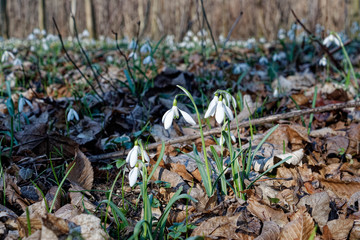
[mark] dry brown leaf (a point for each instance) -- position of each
(270, 231)
(323, 132)
(57, 225)
(340, 188)
(220, 227)
(35, 223)
(79, 200)
(354, 137)
(295, 159)
(279, 137)
(168, 176)
(320, 205)
(204, 203)
(266, 213)
(355, 231)
(300, 99)
(340, 228)
(336, 144)
(50, 195)
(67, 212)
(82, 173)
(13, 193)
(181, 170)
(90, 227)
(299, 228)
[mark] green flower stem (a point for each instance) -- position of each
(234, 164)
(146, 204)
(209, 188)
(223, 180)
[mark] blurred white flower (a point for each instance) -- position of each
(109, 59)
(186, 39)
(43, 32)
(85, 34)
(133, 176)
(279, 56)
(189, 34)
(133, 55)
(262, 40)
(72, 114)
(330, 40)
(133, 155)
(6, 56)
(17, 62)
(172, 113)
(195, 39)
(149, 60)
(201, 33)
(241, 67)
(323, 61)
(132, 45)
(22, 102)
(45, 47)
(36, 31)
(31, 37)
(263, 60)
(145, 48)
(281, 34)
(221, 139)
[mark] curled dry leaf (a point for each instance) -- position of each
(334, 145)
(221, 227)
(355, 231)
(300, 228)
(342, 189)
(266, 213)
(295, 159)
(50, 197)
(35, 224)
(320, 205)
(354, 138)
(67, 212)
(79, 200)
(323, 132)
(340, 228)
(270, 231)
(57, 225)
(90, 227)
(82, 173)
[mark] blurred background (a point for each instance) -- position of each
(261, 18)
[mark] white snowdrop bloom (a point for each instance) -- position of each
(262, 40)
(229, 100)
(6, 56)
(31, 37)
(323, 61)
(330, 40)
(278, 56)
(133, 155)
(241, 67)
(72, 114)
(189, 33)
(172, 113)
(17, 62)
(45, 47)
(32, 49)
(133, 176)
(211, 109)
(263, 61)
(36, 31)
(195, 39)
(281, 34)
(201, 33)
(182, 44)
(220, 110)
(186, 39)
(132, 45)
(85, 34)
(43, 32)
(190, 45)
(133, 55)
(146, 48)
(22, 102)
(149, 60)
(109, 59)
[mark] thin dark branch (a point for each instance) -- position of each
(324, 48)
(86, 56)
(231, 31)
(259, 121)
(72, 61)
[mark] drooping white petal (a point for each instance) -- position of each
(128, 156)
(234, 102)
(232, 136)
(168, 119)
(212, 106)
(72, 114)
(221, 140)
(21, 104)
(228, 112)
(220, 112)
(167, 112)
(176, 111)
(134, 156)
(133, 176)
(146, 156)
(187, 117)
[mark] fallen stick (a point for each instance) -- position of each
(267, 119)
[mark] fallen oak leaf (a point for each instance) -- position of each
(82, 173)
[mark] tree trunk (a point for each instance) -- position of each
(154, 16)
(90, 18)
(4, 20)
(71, 20)
(42, 14)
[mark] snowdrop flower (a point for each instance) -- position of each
(241, 67)
(201, 33)
(186, 39)
(109, 59)
(36, 31)
(219, 110)
(133, 176)
(22, 102)
(31, 37)
(262, 40)
(72, 114)
(263, 60)
(278, 56)
(149, 60)
(133, 155)
(331, 39)
(43, 32)
(189, 33)
(281, 34)
(17, 62)
(221, 140)
(146, 48)
(229, 99)
(85, 34)
(133, 55)
(323, 61)
(132, 45)
(6, 56)
(195, 39)
(45, 47)
(172, 113)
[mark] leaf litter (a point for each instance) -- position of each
(58, 172)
